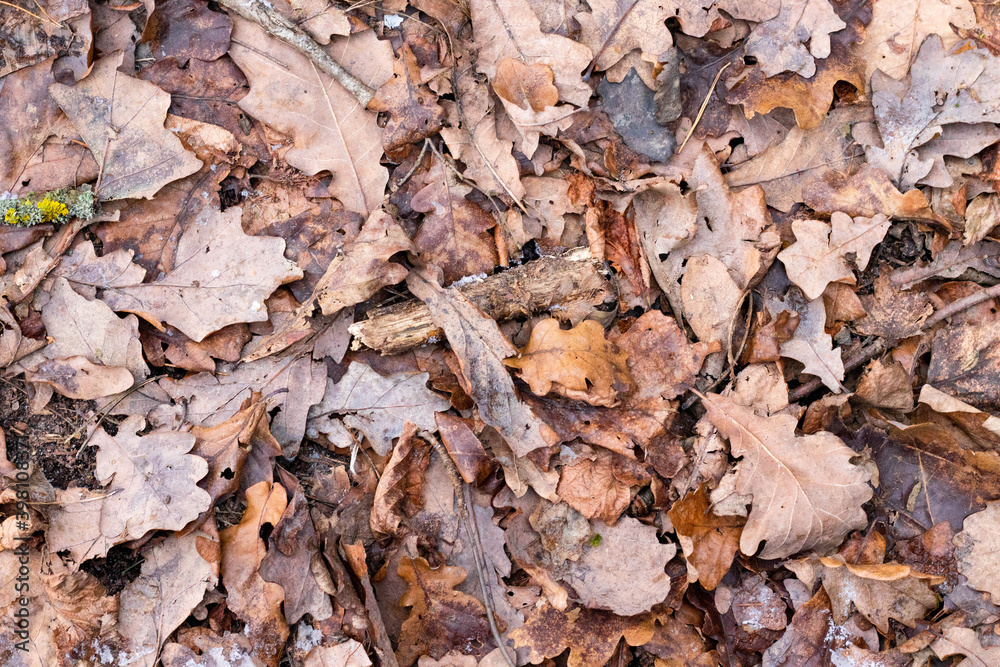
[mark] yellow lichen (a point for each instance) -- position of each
(52, 210)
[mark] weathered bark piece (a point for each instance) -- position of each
(569, 282)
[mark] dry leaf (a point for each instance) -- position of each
(806, 493)
(600, 487)
(811, 345)
(254, 601)
(481, 349)
(414, 113)
(454, 233)
(710, 542)
(779, 44)
(121, 120)
(892, 313)
(527, 86)
(214, 282)
(577, 363)
(176, 573)
(981, 216)
(441, 617)
(963, 641)
(886, 384)
(662, 361)
(398, 494)
(346, 654)
(591, 636)
(379, 406)
(79, 378)
(867, 193)
(602, 583)
(879, 592)
(613, 28)
(820, 254)
(976, 549)
(331, 130)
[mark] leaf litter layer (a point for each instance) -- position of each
(469, 334)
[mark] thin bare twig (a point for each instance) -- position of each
(876, 348)
(478, 554)
(704, 105)
(278, 26)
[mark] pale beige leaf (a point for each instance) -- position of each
(813, 346)
(221, 276)
(176, 573)
(965, 641)
(710, 298)
(296, 385)
(509, 29)
(79, 378)
(602, 582)
(879, 592)
(348, 654)
(379, 406)
(481, 348)
(790, 41)
(897, 30)
(614, 27)
(332, 131)
(981, 216)
(89, 328)
(806, 493)
(977, 549)
(121, 120)
(820, 254)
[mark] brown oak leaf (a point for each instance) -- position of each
(414, 112)
(709, 541)
(590, 635)
(806, 492)
(578, 363)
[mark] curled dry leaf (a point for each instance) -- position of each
(253, 600)
(806, 493)
(879, 591)
(578, 363)
(481, 348)
(821, 253)
(441, 617)
(121, 120)
(527, 86)
(331, 130)
(398, 493)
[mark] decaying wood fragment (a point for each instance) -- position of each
(570, 281)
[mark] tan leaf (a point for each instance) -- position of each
(867, 193)
(976, 549)
(176, 573)
(441, 618)
(811, 345)
(454, 233)
(398, 493)
(891, 312)
(878, 591)
(806, 493)
(298, 384)
(661, 359)
(613, 28)
(733, 228)
(233, 649)
(414, 113)
(766, 342)
(121, 120)
(472, 136)
(965, 641)
(820, 254)
(710, 298)
(511, 30)
(331, 130)
(221, 276)
(590, 635)
(600, 487)
(527, 86)
(981, 216)
(897, 31)
(578, 363)
(464, 447)
(151, 485)
(779, 44)
(254, 601)
(346, 654)
(79, 378)
(317, 17)
(601, 582)
(785, 168)
(960, 88)
(89, 328)
(379, 406)
(886, 384)
(70, 611)
(481, 348)
(710, 542)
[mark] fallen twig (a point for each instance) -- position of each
(874, 349)
(277, 25)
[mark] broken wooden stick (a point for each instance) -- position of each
(573, 280)
(278, 26)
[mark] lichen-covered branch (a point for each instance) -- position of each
(57, 206)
